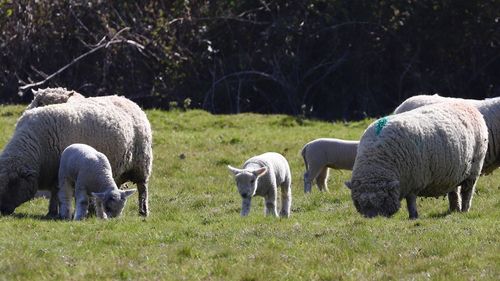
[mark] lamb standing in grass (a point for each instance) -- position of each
(324, 153)
(113, 125)
(425, 152)
(47, 96)
(489, 108)
(84, 171)
(261, 175)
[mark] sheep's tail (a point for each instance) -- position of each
(303, 153)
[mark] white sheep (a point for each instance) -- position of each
(321, 154)
(47, 96)
(489, 108)
(261, 175)
(113, 125)
(85, 172)
(425, 152)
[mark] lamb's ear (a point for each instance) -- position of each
(127, 192)
(35, 92)
(234, 170)
(99, 195)
(260, 172)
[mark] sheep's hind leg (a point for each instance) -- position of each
(53, 204)
(307, 182)
(322, 178)
(82, 204)
(286, 199)
(467, 192)
(270, 200)
(411, 204)
(142, 188)
(455, 200)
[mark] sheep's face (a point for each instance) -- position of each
(15, 189)
(375, 199)
(247, 179)
(113, 201)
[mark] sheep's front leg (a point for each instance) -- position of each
(53, 204)
(411, 203)
(286, 199)
(65, 195)
(322, 178)
(245, 206)
(455, 200)
(82, 203)
(467, 192)
(270, 201)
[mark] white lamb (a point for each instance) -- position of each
(113, 125)
(425, 152)
(321, 154)
(47, 96)
(489, 108)
(261, 175)
(84, 171)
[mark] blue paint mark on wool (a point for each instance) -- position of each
(380, 124)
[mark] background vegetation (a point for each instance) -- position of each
(328, 59)
(195, 232)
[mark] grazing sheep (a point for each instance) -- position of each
(490, 108)
(47, 96)
(324, 153)
(261, 175)
(113, 125)
(84, 171)
(425, 152)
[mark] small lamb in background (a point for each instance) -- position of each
(85, 171)
(321, 154)
(261, 175)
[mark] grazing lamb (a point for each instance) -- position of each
(490, 108)
(84, 171)
(324, 153)
(47, 96)
(425, 152)
(113, 125)
(261, 175)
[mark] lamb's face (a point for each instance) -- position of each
(247, 184)
(373, 200)
(113, 201)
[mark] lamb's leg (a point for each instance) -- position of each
(142, 188)
(286, 199)
(245, 206)
(411, 203)
(307, 182)
(467, 192)
(322, 178)
(455, 200)
(65, 195)
(53, 204)
(270, 200)
(81, 204)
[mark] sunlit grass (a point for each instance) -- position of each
(195, 232)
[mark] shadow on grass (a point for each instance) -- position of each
(440, 214)
(32, 216)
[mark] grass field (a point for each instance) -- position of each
(195, 232)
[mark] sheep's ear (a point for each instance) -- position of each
(348, 184)
(234, 170)
(99, 195)
(35, 92)
(260, 172)
(126, 193)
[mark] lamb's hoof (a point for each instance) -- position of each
(144, 213)
(284, 215)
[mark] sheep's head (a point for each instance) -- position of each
(246, 180)
(375, 199)
(112, 201)
(16, 187)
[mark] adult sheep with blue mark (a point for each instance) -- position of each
(113, 125)
(426, 152)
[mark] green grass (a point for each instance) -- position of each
(195, 232)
